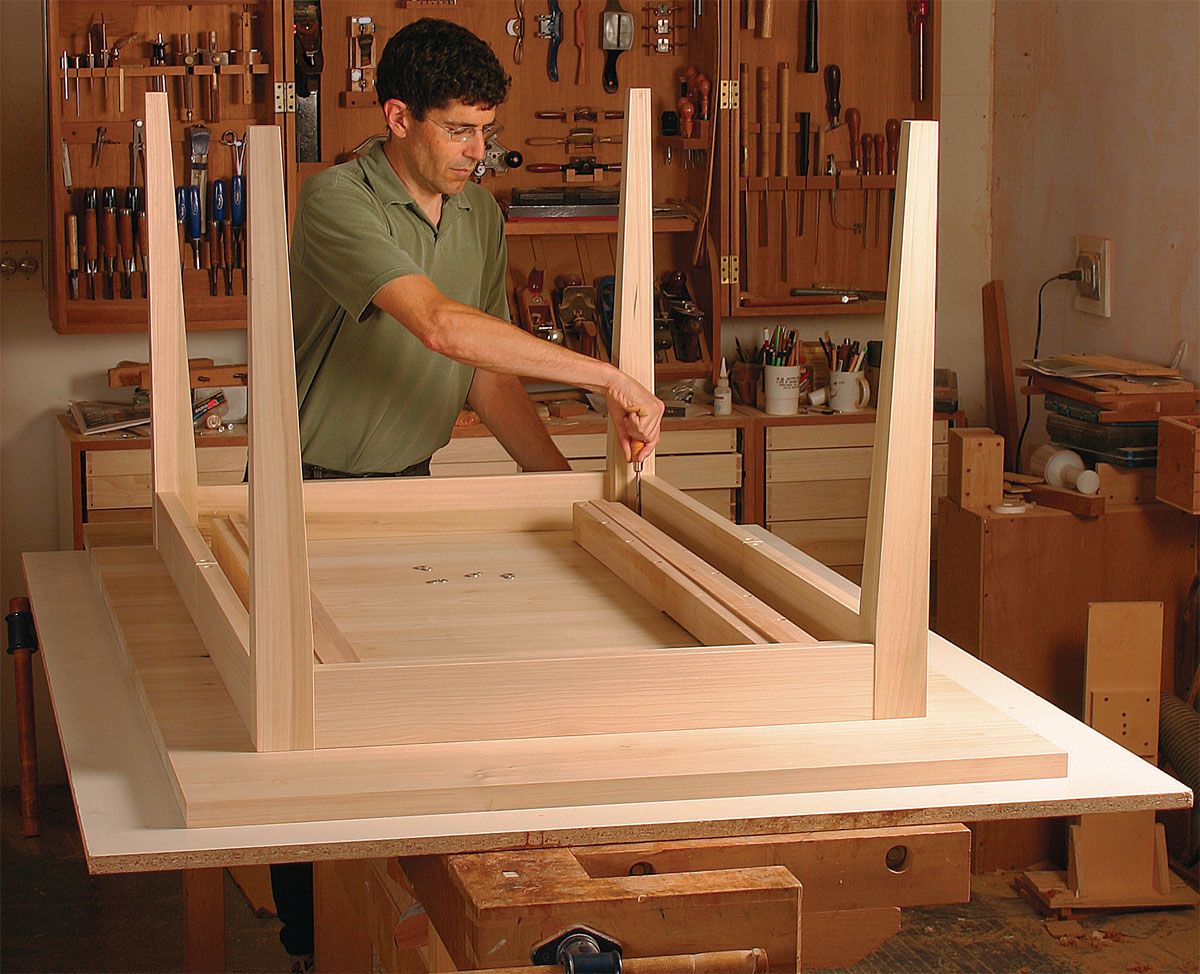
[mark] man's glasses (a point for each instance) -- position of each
(465, 133)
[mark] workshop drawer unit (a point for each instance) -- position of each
(707, 463)
(104, 481)
(818, 487)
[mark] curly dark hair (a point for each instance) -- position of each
(431, 62)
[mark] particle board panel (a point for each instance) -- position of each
(130, 820)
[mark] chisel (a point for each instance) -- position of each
(802, 167)
(108, 236)
(73, 255)
(125, 243)
(91, 248)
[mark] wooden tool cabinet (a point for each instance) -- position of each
(715, 239)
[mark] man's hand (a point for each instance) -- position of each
(636, 413)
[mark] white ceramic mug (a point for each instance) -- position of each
(781, 387)
(849, 392)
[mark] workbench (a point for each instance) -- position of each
(130, 821)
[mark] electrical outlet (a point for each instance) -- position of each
(1093, 256)
(21, 265)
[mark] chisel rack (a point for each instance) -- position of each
(747, 208)
(809, 202)
(220, 65)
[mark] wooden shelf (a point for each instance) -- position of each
(586, 226)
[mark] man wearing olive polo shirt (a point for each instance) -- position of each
(398, 268)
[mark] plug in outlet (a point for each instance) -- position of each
(1093, 256)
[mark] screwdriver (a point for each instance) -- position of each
(73, 255)
(125, 239)
(854, 125)
(108, 231)
(636, 447)
(143, 245)
(90, 243)
(237, 215)
(833, 85)
(195, 229)
(181, 218)
(212, 259)
(221, 231)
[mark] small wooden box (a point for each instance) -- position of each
(1179, 462)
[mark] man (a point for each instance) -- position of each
(398, 266)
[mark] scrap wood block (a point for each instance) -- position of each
(976, 468)
(1178, 482)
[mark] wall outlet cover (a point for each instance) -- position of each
(1103, 248)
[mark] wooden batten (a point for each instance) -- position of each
(173, 446)
(807, 599)
(211, 601)
(653, 578)
(281, 637)
(387, 508)
(692, 688)
(772, 625)
(894, 605)
(633, 309)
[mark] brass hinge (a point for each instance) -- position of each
(729, 269)
(285, 97)
(730, 95)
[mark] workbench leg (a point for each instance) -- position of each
(340, 932)
(204, 920)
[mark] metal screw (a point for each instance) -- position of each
(473, 575)
(508, 576)
(422, 568)
(436, 581)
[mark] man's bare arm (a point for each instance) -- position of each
(506, 409)
(472, 337)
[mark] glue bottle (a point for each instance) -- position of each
(722, 394)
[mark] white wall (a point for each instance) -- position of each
(1098, 132)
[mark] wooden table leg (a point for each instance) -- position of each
(204, 920)
(340, 930)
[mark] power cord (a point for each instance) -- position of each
(1075, 275)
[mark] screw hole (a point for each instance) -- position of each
(641, 869)
(897, 858)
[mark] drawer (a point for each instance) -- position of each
(723, 501)
(819, 499)
(941, 431)
(121, 478)
(847, 463)
(941, 459)
(813, 437)
(695, 472)
(833, 541)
